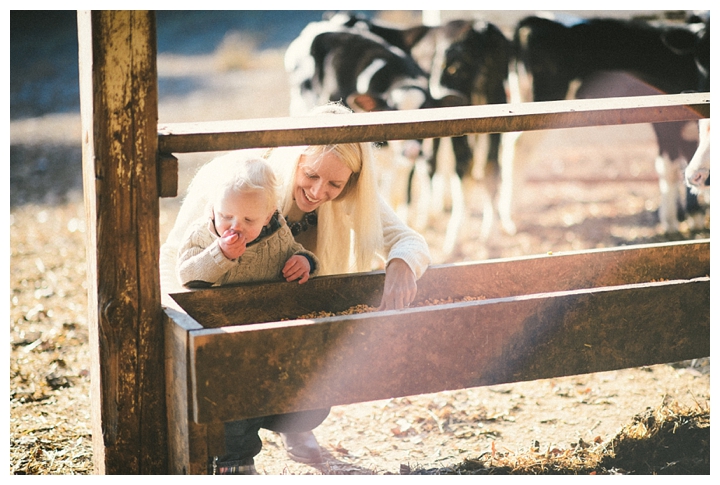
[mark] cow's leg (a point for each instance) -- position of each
(441, 165)
(501, 183)
(420, 194)
(385, 168)
(483, 195)
(675, 149)
(669, 194)
(491, 183)
(507, 182)
(697, 173)
(456, 216)
(398, 161)
(463, 167)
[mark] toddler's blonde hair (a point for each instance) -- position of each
(252, 175)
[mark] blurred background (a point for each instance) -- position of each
(212, 65)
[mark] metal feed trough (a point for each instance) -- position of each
(160, 374)
(531, 318)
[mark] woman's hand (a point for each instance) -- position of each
(232, 244)
(400, 286)
(297, 267)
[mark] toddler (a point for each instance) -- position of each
(243, 238)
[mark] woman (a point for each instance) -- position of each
(331, 202)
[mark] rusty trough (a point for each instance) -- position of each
(535, 317)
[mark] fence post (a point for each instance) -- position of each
(118, 94)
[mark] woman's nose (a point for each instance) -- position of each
(316, 189)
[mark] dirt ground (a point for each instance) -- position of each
(584, 188)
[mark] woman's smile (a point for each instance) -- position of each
(310, 198)
(319, 179)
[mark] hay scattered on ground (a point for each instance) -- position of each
(668, 440)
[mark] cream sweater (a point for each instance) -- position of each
(200, 261)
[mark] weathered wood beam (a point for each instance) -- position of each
(118, 95)
(189, 444)
(429, 123)
(168, 168)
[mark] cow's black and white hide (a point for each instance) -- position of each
(697, 173)
(668, 58)
(330, 62)
(467, 63)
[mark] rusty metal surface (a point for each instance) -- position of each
(264, 302)
(429, 123)
(569, 271)
(220, 307)
(542, 316)
(279, 367)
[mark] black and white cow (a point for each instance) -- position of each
(672, 58)
(332, 61)
(467, 63)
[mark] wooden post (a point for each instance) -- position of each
(118, 94)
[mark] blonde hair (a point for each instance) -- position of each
(349, 234)
(251, 175)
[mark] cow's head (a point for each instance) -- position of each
(464, 58)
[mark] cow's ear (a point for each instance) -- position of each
(413, 35)
(365, 102)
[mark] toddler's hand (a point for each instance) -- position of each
(232, 244)
(297, 268)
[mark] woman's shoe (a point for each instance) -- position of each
(302, 447)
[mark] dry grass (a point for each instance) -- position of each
(49, 354)
(668, 440)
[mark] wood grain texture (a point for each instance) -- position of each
(118, 92)
(429, 123)
(168, 168)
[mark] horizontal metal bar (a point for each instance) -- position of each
(429, 123)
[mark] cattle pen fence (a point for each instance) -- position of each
(156, 406)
